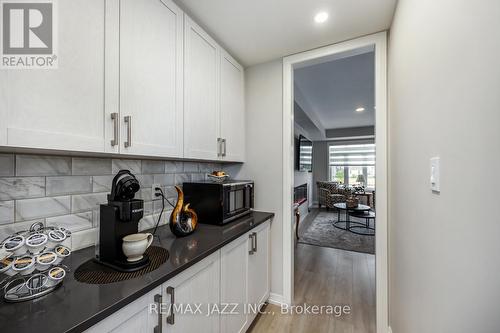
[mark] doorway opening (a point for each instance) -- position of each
(337, 163)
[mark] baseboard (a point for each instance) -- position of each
(276, 299)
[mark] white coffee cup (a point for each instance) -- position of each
(135, 245)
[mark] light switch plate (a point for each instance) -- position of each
(435, 175)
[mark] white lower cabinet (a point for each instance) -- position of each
(234, 285)
(138, 316)
(198, 285)
(258, 266)
(229, 283)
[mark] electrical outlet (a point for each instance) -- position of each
(153, 191)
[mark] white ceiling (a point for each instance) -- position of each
(256, 31)
(330, 92)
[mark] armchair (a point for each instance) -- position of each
(330, 193)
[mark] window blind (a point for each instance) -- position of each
(352, 155)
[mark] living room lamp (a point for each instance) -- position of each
(361, 179)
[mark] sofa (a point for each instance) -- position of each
(330, 193)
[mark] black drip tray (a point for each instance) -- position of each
(93, 273)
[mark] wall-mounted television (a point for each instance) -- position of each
(304, 153)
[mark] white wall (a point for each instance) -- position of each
(444, 78)
(264, 108)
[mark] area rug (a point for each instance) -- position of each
(319, 231)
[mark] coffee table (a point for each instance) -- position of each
(365, 229)
(346, 223)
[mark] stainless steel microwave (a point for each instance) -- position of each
(219, 203)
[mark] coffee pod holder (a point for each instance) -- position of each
(18, 286)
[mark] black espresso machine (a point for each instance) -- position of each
(119, 218)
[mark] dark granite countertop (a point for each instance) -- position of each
(77, 306)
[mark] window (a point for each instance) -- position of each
(352, 164)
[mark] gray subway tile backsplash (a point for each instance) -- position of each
(68, 185)
(174, 166)
(66, 191)
(6, 212)
(134, 166)
(32, 165)
(84, 202)
(190, 167)
(21, 187)
(182, 177)
(29, 209)
(86, 166)
(7, 165)
(153, 167)
(74, 222)
(102, 183)
(164, 180)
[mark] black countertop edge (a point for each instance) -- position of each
(75, 306)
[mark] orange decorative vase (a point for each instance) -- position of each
(183, 220)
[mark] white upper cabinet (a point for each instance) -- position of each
(134, 77)
(151, 75)
(60, 108)
(201, 87)
(232, 109)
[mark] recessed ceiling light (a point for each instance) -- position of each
(321, 17)
(360, 109)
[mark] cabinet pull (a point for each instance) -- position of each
(171, 316)
(253, 244)
(114, 117)
(158, 300)
(224, 145)
(219, 149)
(255, 237)
(128, 121)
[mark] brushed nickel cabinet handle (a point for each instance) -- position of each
(158, 300)
(219, 149)
(114, 117)
(252, 238)
(171, 316)
(255, 237)
(224, 145)
(128, 121)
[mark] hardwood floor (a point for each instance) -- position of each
(326, 276)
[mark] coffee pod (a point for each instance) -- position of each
(6, 266)
(37, 281)
(24, 265)
(56, 237)
(61, 252)
(16, 245)
(45, 260)
(55, 275)
(36, 242)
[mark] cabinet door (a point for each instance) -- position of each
(258, 267)
(151, 66)
(60, 108)
(232, 109)
(138, 316)
(198, 285)
(201, 86)
(233, 284)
